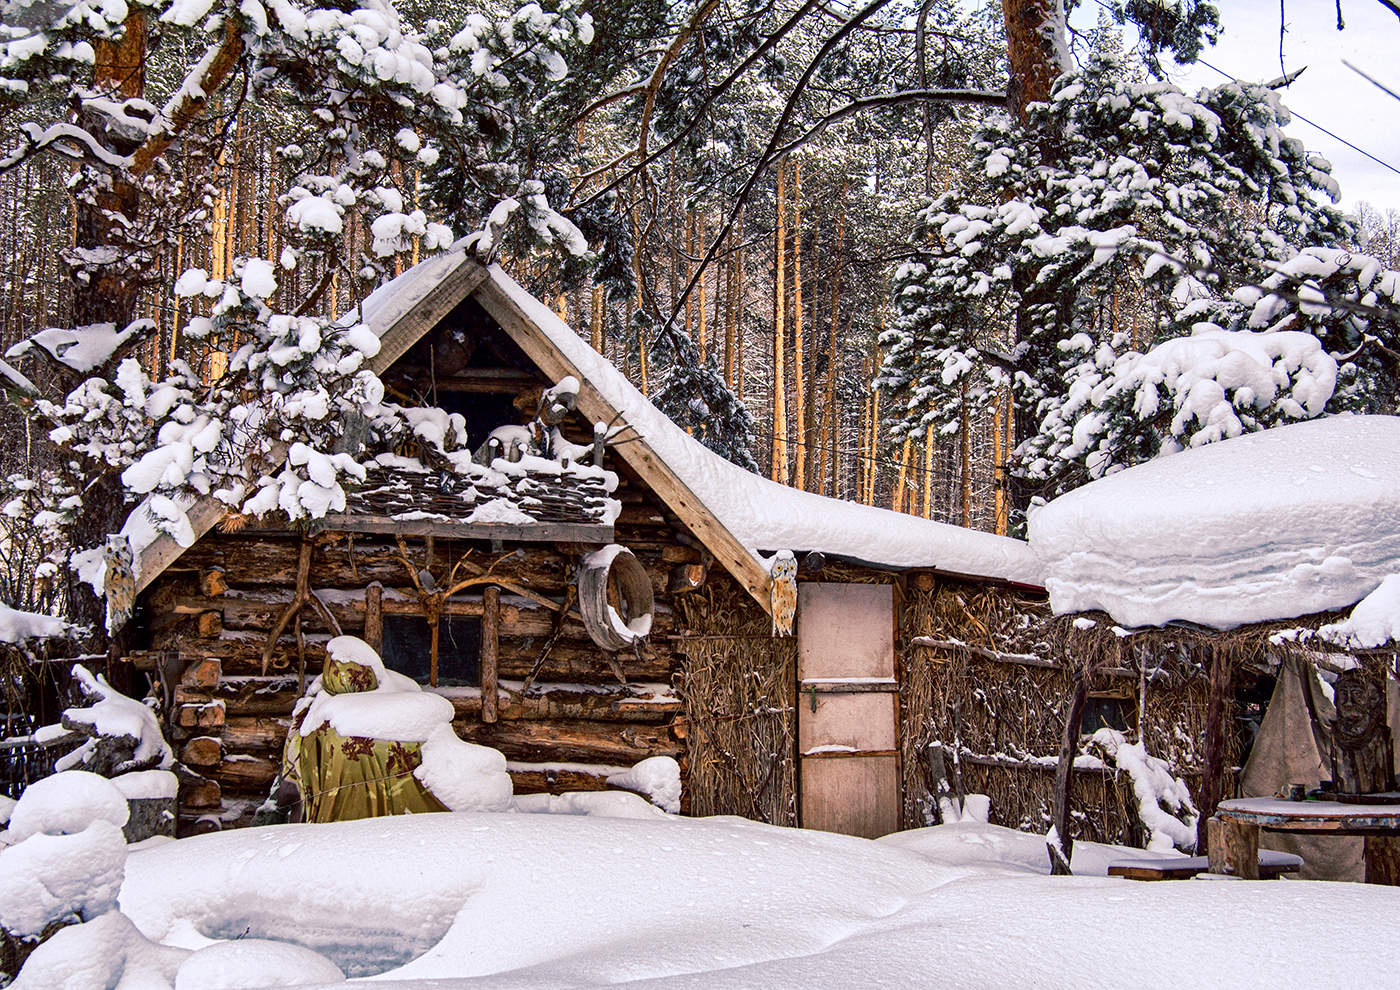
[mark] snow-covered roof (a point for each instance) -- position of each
(1273, 525)
(764, 515)
(750, 513)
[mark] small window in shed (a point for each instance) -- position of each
(1108, 712)
(407, 648)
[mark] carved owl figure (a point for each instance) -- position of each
(782, 592)
(119, 585)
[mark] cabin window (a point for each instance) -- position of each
(1108, 712)
(407, 648)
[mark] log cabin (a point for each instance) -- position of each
(916, 670)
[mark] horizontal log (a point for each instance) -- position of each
(242, 773)
(572, 741)
(611, 703)
(240, 651)
(257, 734)
(202, 751)
(556, 781)
(579, 663)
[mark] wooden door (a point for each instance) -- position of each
(847, 710)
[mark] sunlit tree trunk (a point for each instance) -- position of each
(779, 469)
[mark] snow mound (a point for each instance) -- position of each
(543, 902)
(254, 964)
(1276, 524)
(1374, 622)
(66, 804)
(463, 775)
(50, 878)
(467, 895)
(100, 954)
(657, 778)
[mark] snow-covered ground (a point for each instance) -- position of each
(447, 901)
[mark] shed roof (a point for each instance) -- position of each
(735, 513)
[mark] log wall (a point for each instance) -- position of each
(211, 613)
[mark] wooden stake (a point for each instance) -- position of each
(490, 651)
(374, 616)
(1062, 850)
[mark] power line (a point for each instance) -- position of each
(1311, 123)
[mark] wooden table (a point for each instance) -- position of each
(1233, 834)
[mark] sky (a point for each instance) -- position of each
(1327, 93)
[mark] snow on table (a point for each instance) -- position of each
(1281, 523)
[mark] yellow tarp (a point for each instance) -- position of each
(346, 777)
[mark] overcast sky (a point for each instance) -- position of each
(1328, 93)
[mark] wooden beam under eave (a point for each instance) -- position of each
(426, 312)
(736, 559)
(204, 515)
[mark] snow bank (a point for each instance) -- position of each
(530, 902)
(254, 964)
(762, 514)
(463, 775)
(1280, 523)
(65, 804)
(50, 878)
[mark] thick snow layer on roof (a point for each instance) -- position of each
(764, 515)
(382, 307)
(1281, 523)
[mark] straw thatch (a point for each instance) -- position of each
(739, 723)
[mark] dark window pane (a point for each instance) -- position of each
(1111, 713)
(408, 646)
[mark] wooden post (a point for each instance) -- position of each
(490, 651)
(374, 616)
(1234, 848)
(1383, 860)
(1213, 779)
(1062, 850)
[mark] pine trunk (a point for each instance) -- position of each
(799, 368)
(779, 471)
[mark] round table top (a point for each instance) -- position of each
(1326, 816)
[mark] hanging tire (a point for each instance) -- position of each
(623, 626)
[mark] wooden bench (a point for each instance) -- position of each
(1272, 865)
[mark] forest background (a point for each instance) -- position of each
(729, 200)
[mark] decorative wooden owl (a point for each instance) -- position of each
(782, 592)
(119, 585)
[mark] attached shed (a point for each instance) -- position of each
(540, 631)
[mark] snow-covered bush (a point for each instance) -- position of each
(118, 734)
(1164, 801)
